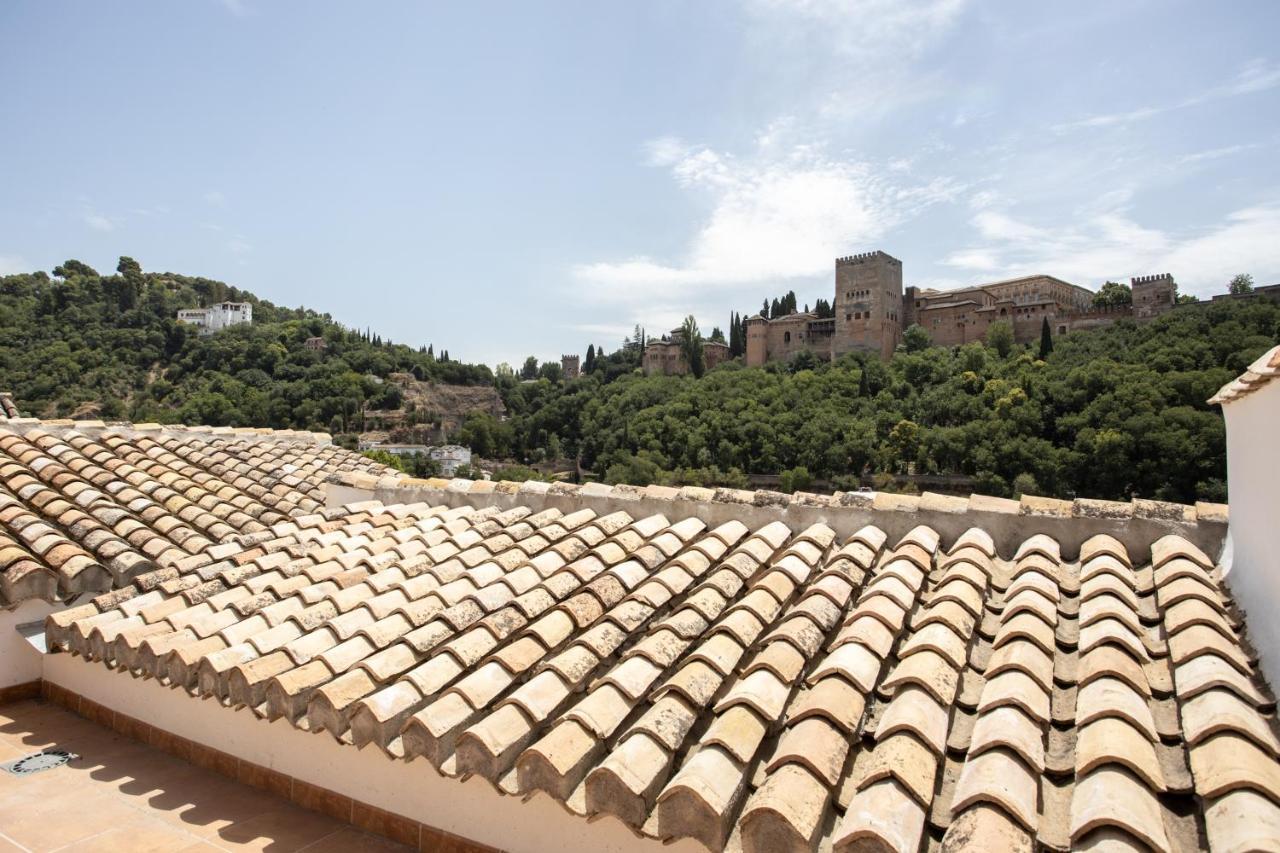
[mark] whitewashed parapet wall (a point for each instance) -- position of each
(1009, 522)
(1251, 404)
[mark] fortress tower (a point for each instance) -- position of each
(868, 304)
(1153, 294)
(570, 366)
(757, 341)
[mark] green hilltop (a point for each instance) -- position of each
(84, 344)
(1113, 413)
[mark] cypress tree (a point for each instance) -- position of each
(1046, 339)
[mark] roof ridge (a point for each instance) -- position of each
(1079, 518)
(1255, 376)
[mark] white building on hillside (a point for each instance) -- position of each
(450, 457)
(217, 317)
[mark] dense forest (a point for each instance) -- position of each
(1111, 413)
(83, 344)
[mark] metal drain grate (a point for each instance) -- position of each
(44, 760)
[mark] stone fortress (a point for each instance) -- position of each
(666, 357)
(872, 309)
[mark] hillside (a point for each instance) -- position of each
(1111, 413)
(83, 344)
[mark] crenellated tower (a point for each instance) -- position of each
(868, 304)
(570, 366)
(1153, 295)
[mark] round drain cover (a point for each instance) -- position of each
(46, 760)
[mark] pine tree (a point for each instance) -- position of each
(764, 312)
(589, 363)
(1046, 339)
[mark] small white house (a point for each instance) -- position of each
(1251, 406)
(217, 317)
(451, 457)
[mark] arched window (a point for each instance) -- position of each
(786, 337)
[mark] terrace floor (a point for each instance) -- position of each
(123, 795)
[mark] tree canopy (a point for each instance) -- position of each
(109, 346)
(1113, 294)
(1109, 413)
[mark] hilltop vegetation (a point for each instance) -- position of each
(81, 343)
(1111, 413)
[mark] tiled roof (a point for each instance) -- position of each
(86, 511)
(1262, 371)
(762, 688)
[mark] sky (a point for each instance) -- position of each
(507, 179)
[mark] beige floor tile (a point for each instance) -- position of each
(141, 834)
(203, 804)
(351, 840)
(7, 846)
(123, 795)
(281, 831)
(54, 822)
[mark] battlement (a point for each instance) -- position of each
(1150, 279)
(864, 257)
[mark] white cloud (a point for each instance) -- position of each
(1246, 242)
(771, 218)
(995, 225)
(215, 198)
(849, 61)
(98, 222)
(1111, 245)
(238, 8)
(1255, 76)
(1217, 153)
(982, 260)
(12, 264)
(867, 28)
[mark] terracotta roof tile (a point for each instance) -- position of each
(771, 688)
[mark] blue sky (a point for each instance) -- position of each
(502, 179)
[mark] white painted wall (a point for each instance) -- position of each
(1253, 481)
(473, 809)
(19, 661)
